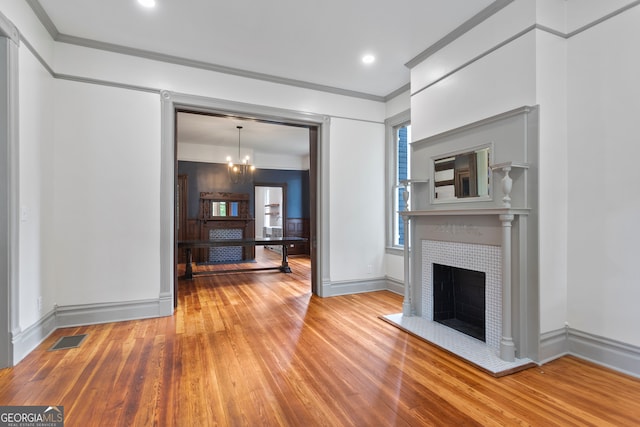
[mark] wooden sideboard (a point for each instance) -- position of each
(297, 227)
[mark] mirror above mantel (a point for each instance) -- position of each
(463, 176)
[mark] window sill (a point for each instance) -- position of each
(395, 251)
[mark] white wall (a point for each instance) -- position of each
(206, 153)
(584, 12)
(263, 160)
(498, 82)
(356, 200)
(398, 104)
(604, 205)
(551, 81)
(113, 67)
(36, 189)
(107, 194)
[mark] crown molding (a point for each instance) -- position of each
(474, 21)
(42, 15)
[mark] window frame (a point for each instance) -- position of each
(391, 182)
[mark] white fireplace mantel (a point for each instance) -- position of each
(465, 212)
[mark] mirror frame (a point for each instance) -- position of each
(467, 150)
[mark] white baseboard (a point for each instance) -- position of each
(394, 285)
(553, 344)
(347, 287)
(90, 314)
(606, 352)
(26, 341)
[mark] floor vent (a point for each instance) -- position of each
(71, 341)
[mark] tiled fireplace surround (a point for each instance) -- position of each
(484, 258)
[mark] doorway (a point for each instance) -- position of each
(291, 120)
(270, 210)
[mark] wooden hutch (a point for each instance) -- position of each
(224, 215)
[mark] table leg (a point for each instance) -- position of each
(188, 274)
(284, 267)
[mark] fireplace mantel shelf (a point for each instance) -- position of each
(450, 212)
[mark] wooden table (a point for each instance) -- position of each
(189, 245)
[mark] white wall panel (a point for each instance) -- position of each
(604, 208)
(398, 104)
(499, 82)
(263, 160)
(107, 201)
(395, 267)
(113, 67)
(584, 12)
(510, 21)
(551, 75)
(356, 200)
(36, 190)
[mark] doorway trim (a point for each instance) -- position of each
(171, 103)
(9, 190)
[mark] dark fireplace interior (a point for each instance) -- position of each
(459, 299)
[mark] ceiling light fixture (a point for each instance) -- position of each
(368, 59)
(147, 3)
(242, 172)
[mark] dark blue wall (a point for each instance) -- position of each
(213, 177)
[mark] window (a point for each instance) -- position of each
(403, 136)
(398, 169)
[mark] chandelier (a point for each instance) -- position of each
(241, 172)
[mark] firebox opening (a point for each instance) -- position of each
(459, 299)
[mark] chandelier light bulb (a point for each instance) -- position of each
(242, 172)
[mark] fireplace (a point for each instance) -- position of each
(459, 299)
(495, 233)
(225, 253)
(476, 260)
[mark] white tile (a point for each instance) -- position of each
(485, 258)
(464, 346)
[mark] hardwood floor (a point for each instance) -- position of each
(258, 349)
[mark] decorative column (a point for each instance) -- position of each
(507, 182)
(407, 303)
(507, 186)
(507, 347)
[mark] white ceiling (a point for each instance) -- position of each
(320, 42)
(260, 136)
(312, 44)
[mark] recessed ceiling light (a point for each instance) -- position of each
(368, 59)
(147, 3)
